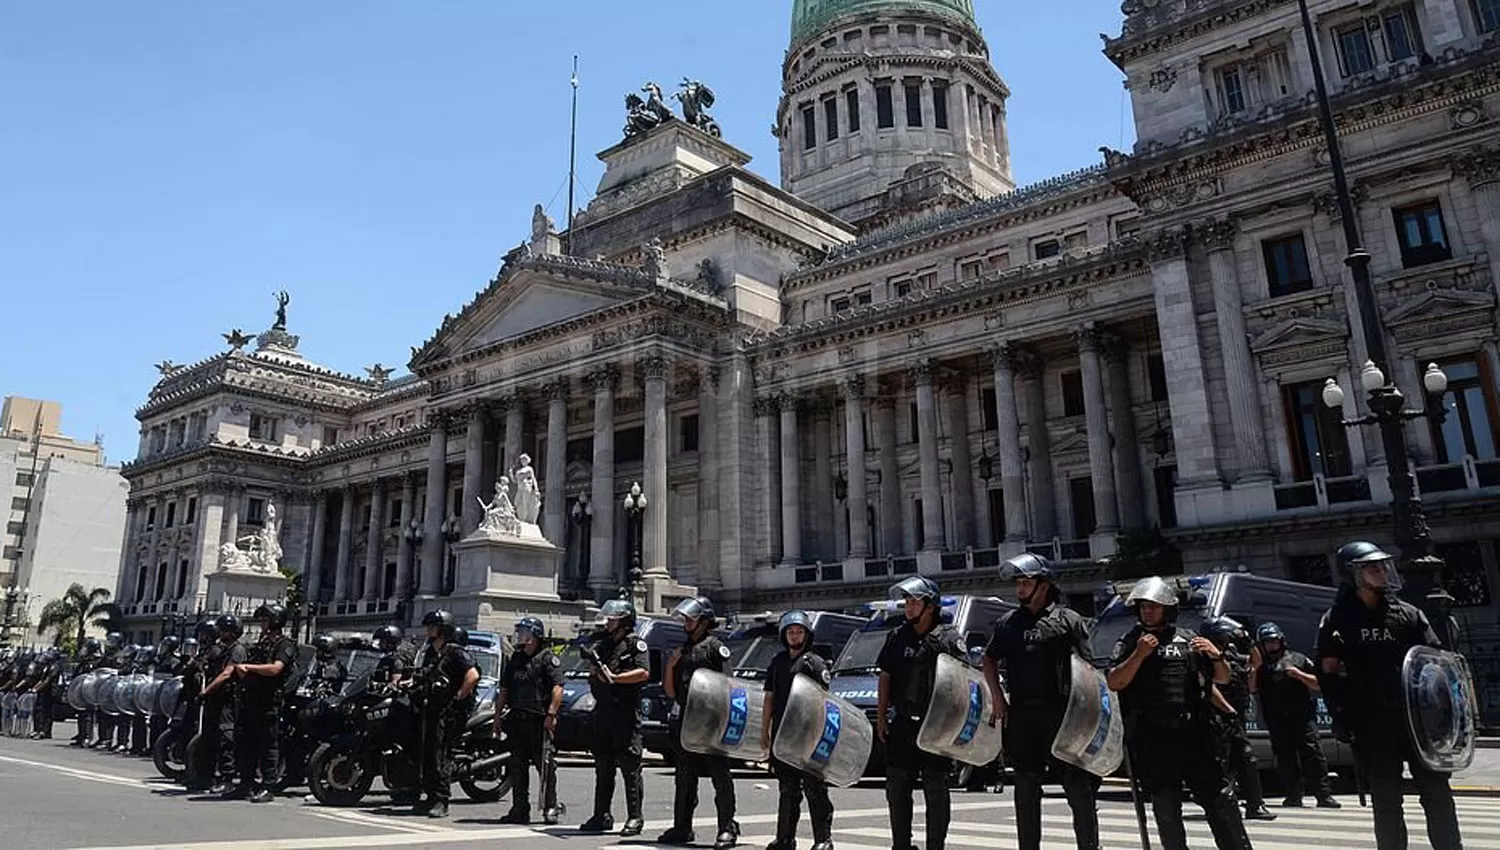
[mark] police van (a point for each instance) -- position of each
(1251, 600)
(757, 639)
(856, 676)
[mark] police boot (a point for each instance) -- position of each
(439, 809)
(599, 824)
(727, 838)
(676, 835)
(1329, 802)
(551, 816)
(520, 815)
(1259, 813)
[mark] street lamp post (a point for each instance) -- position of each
(583, 519)
(635, 509)
(1377, 378)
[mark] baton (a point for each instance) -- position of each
(1140, 805)
(1359, 782)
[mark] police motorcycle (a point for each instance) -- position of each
(380, 736)
(176, 698)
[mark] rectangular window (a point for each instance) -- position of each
(809, 128)
(1076, 241)
(182, 575)
(192, 511)
(926, 280)
(1468, 428)
(25, 479)
(255, 511)
(997, 514)
(1356, 55)
(1287, 269)
(1127, 226)
(851, 109)
(991, 409)
(1275, 76)
(902, 288)
(1156, 376)
(1423, 238)
(1319, 441)
(913, 104)
(913, 422)
(1072, 393)
(839, 305)
(999, 262)
(1165, 479)
(1046, 249)
(1487, 13)
(15, 528)
(831, 118)
(394, 518)
(171, 514)
(1402, 40)
(20, 503)
(1378, 40)
(940, 105)
(330, 436)
(262, 427)
(970, 269)
(1230, 85)
(885, 110)
(687, 433)
(862, 298)
(151, 518)
(1081, 499)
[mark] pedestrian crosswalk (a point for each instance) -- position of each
(992, 826)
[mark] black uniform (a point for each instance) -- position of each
(1035, 650)
(1167, 731)
(219, 711)
(41, 714)
(258, 754)
(196, 675)
(1289, 712)
(391, 665)
(791, 783)
(910, 659)
(1240, 766)
(528, 681)
(167, 667)
(1369, 703)
(617, 724)
(84, 666)
(443, 717)
(710, 653)
(113, 729)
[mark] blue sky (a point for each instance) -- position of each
(168, 165)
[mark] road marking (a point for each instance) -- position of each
(441, 837)
(398, 824)
(79, 773)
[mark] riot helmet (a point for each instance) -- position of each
(145, 655)
(272, 612)
(1368, 567)
(695, 614)
(1028, 566)
(113, 642)
(168, 646)
(918, 588)
(90, 648)
(459, 637)
(1154, 590)
(1267, 633)
(227, 626)
(190, 648)
(388, 638)
(441, 619)
(205, 631)
(324, 646)
(1226, 632)
(795, 618)
(616, 613)
(528, 629)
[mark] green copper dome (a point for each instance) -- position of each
(810, 17)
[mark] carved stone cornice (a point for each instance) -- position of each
(604, 379)
(1217, 234)
(1480, 165)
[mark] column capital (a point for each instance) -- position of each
(1026, 362)
(788, 402)
(1480, 165)
(605, 379)
(1007, 354)
(1088, 338)
(438, 418)
(555, 390)
(652, 367)
(475, 409)
(1217, 234)
(853, 388)
(708, 378)
(922, 372)
(1116, 348)
(765, 405)
(1168, 244)
(409, 477)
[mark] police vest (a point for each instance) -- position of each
(1166, 686)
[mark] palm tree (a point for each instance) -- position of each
(76, 611)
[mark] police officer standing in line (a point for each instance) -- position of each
(104, 722)
(701, 651)
(140, 726)
(908, 671)
(449, 676)
(1232, 703)
(531, 687)
(1286, 682)
(88, 661)
(169, 664)
(122, 722)
(1362, 645)
(1163, 675)
(45, 687)
(263, 673)
(1034, 646)
(796, 658)
(618, 669)
(327, 674)
(219, 704)
(201, 669)
(396, 657)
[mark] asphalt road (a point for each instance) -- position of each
(52, 796)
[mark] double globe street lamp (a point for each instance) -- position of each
(635, 509)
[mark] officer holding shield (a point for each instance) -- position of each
(1362, 646)
(701, 651)
(618, 669)
(1163, 675)
(88, 661)
(1034, 645)
(908, 671)
(796, 658)
(531, 687)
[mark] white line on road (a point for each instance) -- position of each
(366, 819)
(79, 773)
(443, 836)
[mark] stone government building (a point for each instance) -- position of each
(897, 361)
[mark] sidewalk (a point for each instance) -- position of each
(1483, 776)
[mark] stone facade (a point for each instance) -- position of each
(813, 408)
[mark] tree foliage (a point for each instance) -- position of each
(1141, 552)
(76, 610)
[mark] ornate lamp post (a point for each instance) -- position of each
(452, 531)
(635, 510)
(1386, 402)
(583, 519)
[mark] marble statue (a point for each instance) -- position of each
(528, 494)
(232, 557)
(262, 550)
(499, 515)
(542, 225)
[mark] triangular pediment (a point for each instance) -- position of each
(1078, 441)
(534, 303)
(1438, 303)
(1299, 331)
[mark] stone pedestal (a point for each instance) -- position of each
(242, 590)
(502, 579)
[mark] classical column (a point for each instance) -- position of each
(825, 507)
(1038, 446)
(403, 544)
(854, 439)
(791, 485)
(653, 370)
(431, 582)
(373, 567)
(890, 475)
(515, 426)
(314, 584)
(1096, 417)
(961, 458)
(232, 510)
(127, 551)
(603, 570)
(1182, 359)
(473, 468)
(767, 411)
(1240, 381)
(554, 506)
(346, 544)
(1127, 450)
(933, 537)
(1481, 165)
(709, 578)
(1008, 429)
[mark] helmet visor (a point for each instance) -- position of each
(914, 587)
(1152, 589)
(1376, 571)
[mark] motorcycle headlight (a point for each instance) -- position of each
(585, 703)
(645, 707)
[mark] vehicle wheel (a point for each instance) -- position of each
(337, 776)
(170, 753)
(490, 785)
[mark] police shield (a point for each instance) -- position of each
(75, 692)
(25, 705)
(1092, 736)
(107, 691)
(168, 695)
(145, 696)
(823, 736)
(93, 687)
(1440, 702)
(957, 725)
(724, 717)
(124, 694)
(7, 712)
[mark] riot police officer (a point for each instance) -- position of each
(1163, 674)
(219, 705)
(88, 661)
(448, 677)
(104, 722)
(202, 667)
(125, 663)
(618, 669)
(702, 650)
(1034, 646)
(531, 687)
(325, 677)
(1362, 645)
(1286, 682)
(908, 670)
(45, 689)
(169, 664)
(796, 657)
(140, 726)
(1231, 702)
(396, 657)
(261, 676)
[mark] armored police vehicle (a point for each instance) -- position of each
(757, 639)
(1251, 600)
(856, 677)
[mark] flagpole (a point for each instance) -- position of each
(572, 154)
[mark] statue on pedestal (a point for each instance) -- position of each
(499, 516)
(528, 494)
(263, 549)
